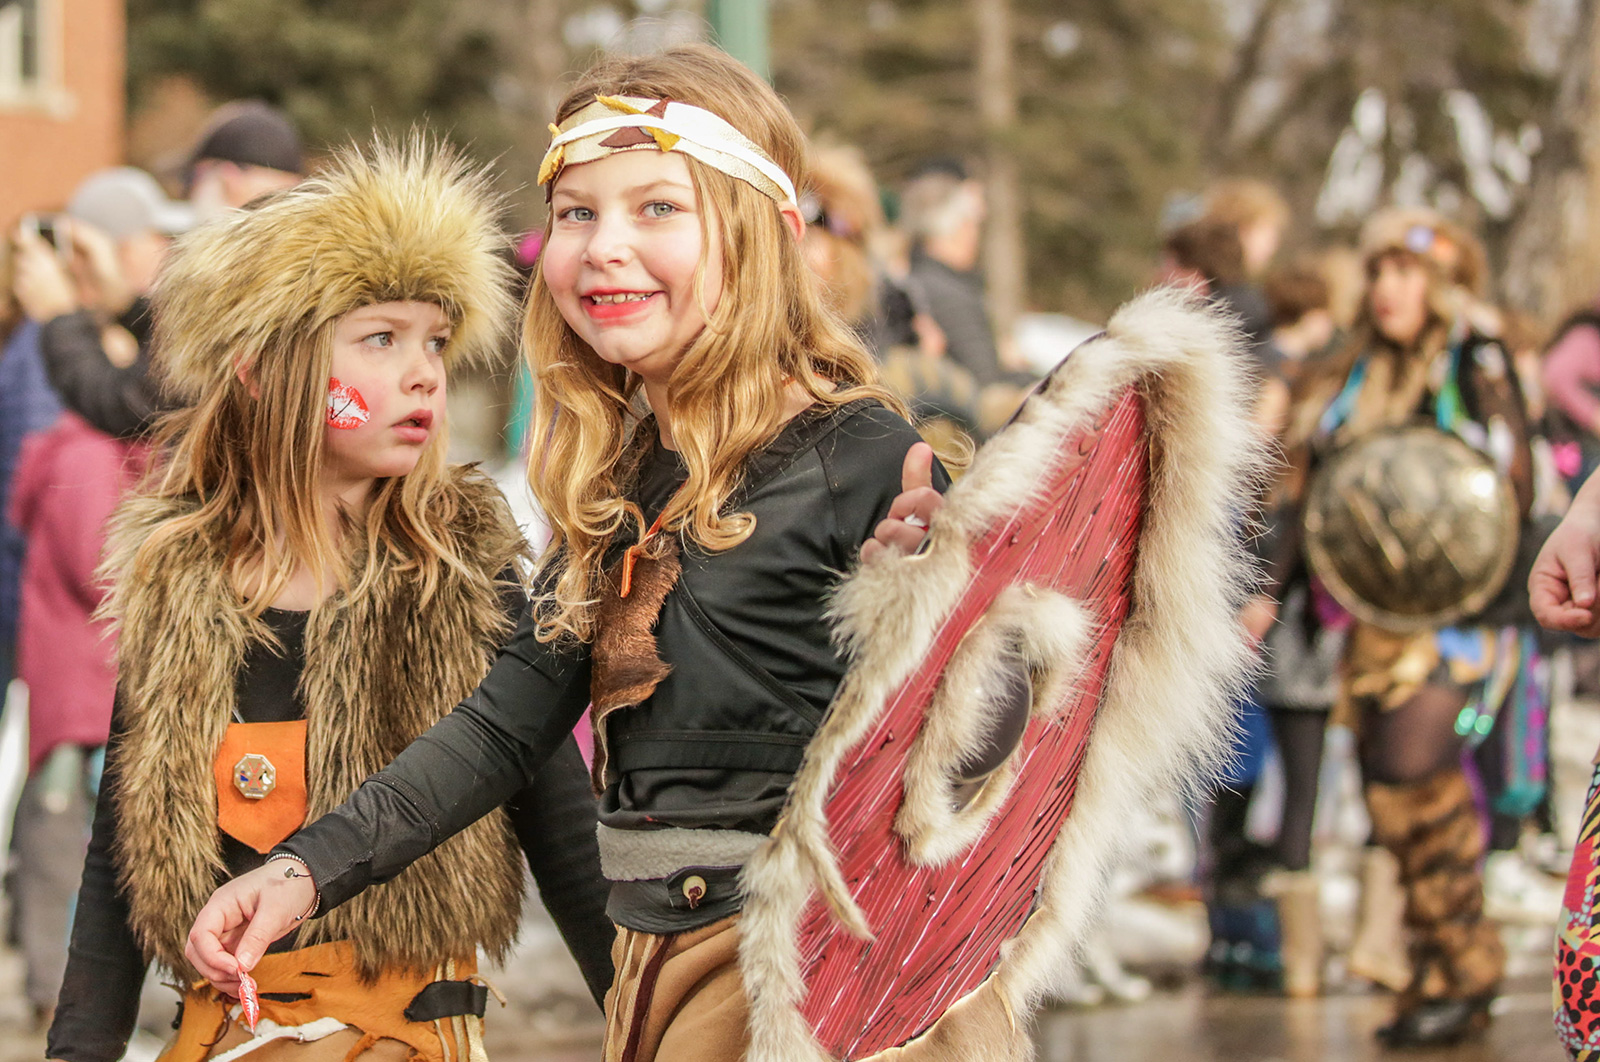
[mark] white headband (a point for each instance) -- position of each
(636, 122)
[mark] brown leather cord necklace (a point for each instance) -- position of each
(635, 551)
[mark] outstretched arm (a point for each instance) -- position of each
(465, 766)
(1561, 587)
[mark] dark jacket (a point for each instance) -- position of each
(754, 670)
(956, 301)
(27, 405)
(118, 401)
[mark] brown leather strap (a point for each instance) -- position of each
(643, 997)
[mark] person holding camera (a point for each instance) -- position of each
(85, 281)
(83, 276)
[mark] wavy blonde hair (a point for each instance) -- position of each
(246, 308)
(726, 393)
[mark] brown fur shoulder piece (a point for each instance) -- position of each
(627, 666)
(399, 220)
(380, 668)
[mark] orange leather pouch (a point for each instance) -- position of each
(261, 782)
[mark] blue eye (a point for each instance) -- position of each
(380, 339)
(437, 344)
(659, 209)
(576, 214)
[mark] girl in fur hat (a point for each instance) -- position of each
(302, 587)
(1422, 350)
(716, 450)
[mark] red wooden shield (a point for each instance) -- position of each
(938, 930)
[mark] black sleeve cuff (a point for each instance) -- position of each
(340, 850)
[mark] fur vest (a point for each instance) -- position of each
(379, 670)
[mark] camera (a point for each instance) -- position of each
(54, 229)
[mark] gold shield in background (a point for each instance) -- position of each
(1411, 528)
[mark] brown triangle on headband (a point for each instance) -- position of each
(631, 136)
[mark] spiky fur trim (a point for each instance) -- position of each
(395, 221)
(1166, 716)
(1044, 630)
(379, 670)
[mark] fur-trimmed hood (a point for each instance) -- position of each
(395, 221)
(380, 668)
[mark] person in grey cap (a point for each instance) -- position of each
(91, 304)
(247, 150)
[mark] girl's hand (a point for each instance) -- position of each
(242, 918)
(912, 510)
(1561, 588)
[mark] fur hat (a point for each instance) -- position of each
(1452, 250)
(395, 221)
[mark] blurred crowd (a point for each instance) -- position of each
(1466, 820)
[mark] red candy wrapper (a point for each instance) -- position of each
(249, 1001)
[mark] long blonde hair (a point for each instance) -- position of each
(245, 313)
(727, 392)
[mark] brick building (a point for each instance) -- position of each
(62, 98)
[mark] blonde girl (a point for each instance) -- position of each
(302, 587)
(715, 452)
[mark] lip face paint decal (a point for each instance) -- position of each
(346, 408)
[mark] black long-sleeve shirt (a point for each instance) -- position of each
(771, 598)
(118, 401)
(99, 1002)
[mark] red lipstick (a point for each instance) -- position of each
(615, 304)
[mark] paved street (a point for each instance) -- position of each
(1194, 1026)
(550, 1019)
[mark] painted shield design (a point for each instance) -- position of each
(1066, 649)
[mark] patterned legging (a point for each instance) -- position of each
(1577, 980)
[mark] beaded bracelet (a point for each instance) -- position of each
(290, 872)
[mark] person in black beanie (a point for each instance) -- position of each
(247, 150)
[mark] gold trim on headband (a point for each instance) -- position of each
(624, 123)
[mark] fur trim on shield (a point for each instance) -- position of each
(1050, 634)
(1167, 714)
(980, 1027)
(396, 221)
(379, 670)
